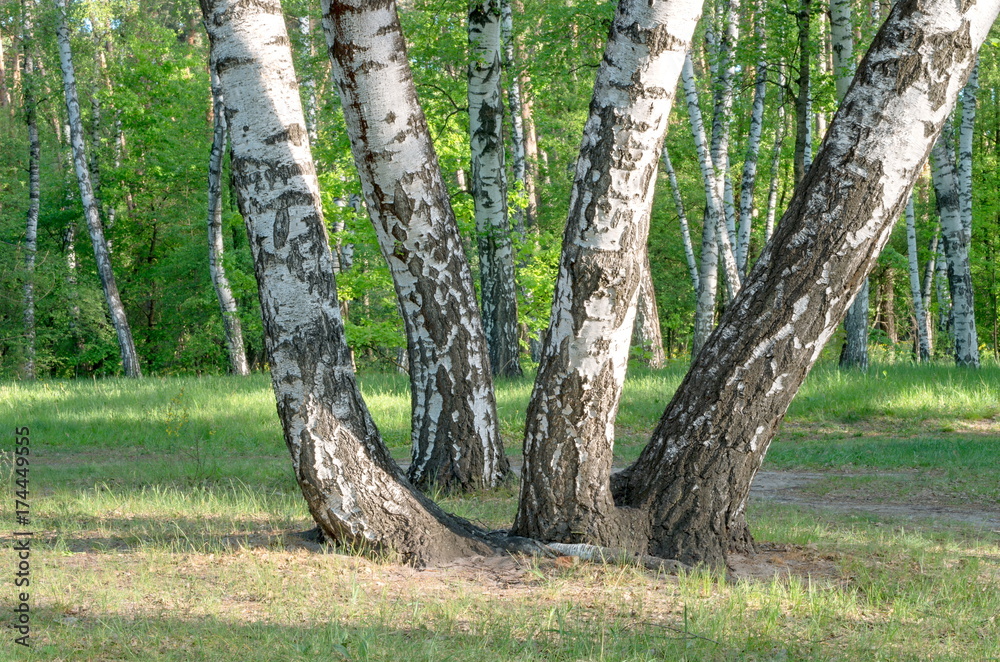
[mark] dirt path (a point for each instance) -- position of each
(786, 487)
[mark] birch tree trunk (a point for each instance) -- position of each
(694, 476)
(569, 431)
(955, 239)
(216, 247)
(854, 353)
(802, 106)
(517, 139)
(965, 135)
(354, 490)
(489, 189)
(753, 149)
(772, 189)
(682, 217)
(34, 190)
(4, 92)
(920, 315)
(308, 83)
(130, 360)
(927, 291)
(647, 334)
(456, 434)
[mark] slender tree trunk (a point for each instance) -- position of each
(647, 333)
(4, 92)
(216, 248)
(522, 220)
(694, 476)
(723, 80)
(965, 136)
(308, 82)
(34, 192)
(569, 430)
(919, 314)
(956, 249)
(456, 434)
(802, 105)
(946, 326)
(772, 190)
(682, 217)
(927, 291)
(354, 490)
(714, 237)
(130, 360)
(489, 189)
(753, 149)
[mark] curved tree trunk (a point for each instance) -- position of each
(694, 476)
(216, 248)
(354, 490)
(489, 189)
(955, 239)
(569, 433)
(456, 434)
(130, 360)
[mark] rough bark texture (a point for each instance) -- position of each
(694, 476)
(647, 334)
(353, 488)
(489, 190)
(802, 106)
(955, 238)
(966, 133)
(130, 360)
(569, 433)
(216, 248)
(923, 345)
(518, 140)
(456, 435)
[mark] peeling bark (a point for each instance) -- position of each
(489, 190)
(130, 360)
(694, 477)
(955, 239)
(569, 433)
(456, 434)
(354, 490)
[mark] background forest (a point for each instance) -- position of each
(143, 80)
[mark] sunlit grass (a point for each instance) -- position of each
(166, 519)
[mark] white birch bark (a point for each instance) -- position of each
(955, 239)
(489, 189)
(749, 178)
(455, 430)
(919, 313)
(715, 237)
(308, 83)
(517, 138)
(4, 92)
(216, 247)
(34, 191)
(647, 334)
(965, 136)
(130, 360)
(854, 354)
(682, 218)
(569, 432)
(694, 477)
(927, 290)
(354, 490)
(803, 107)
(724, 75)
(772, 189)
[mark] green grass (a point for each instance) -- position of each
(165, 515)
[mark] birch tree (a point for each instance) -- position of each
(455, 430)
(34, 188)
(923, 346)
(854, 353)
(130, 360)
(647, 334)
(353, 488)
(489, 189)
(216, 248)
(675, 190)
(955, 239)
(749, 178)
(569, 430)
(693, 478)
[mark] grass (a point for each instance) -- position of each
(165, 515)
